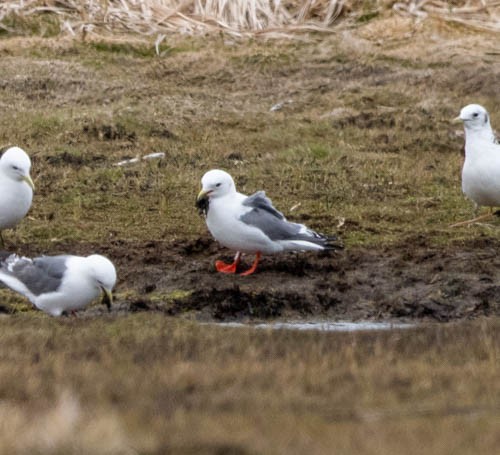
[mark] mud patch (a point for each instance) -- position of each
(408, 281)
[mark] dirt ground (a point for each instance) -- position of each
(410, 281)
(407, 281)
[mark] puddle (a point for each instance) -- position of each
(322, 326)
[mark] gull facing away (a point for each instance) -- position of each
(57, 284)
(481, 170)
(250, 224)
(16, 188)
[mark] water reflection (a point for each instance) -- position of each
(323, 326)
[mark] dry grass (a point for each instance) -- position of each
(270, 18)
(150, 384)
(243, 17)
(480, 14)
(62, 427)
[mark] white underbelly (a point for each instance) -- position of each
(55, 303)
(235, 235)
(14, 207)
(481, 184)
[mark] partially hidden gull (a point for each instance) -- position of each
(250, 224)
(57, 284)
(481, 169)
(16, 188)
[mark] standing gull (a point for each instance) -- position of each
(481, 170)
(250, 224)
(57, 284)
(16, 188)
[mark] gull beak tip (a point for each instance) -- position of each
(201, 195)
(202, 202)
(28, 180)
(107, 298)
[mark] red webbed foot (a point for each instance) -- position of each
(222, 267)
(254, 266)
(225, 268)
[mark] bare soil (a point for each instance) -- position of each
(409, 281)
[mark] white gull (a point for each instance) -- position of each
(57, 284)
(481, 169)
(250, 224)
(16, 188)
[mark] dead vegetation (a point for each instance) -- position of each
(269, 18)
(239, 18)
(479, 14)
(149, 384)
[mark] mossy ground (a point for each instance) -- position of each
(361, 136)
(362, 146)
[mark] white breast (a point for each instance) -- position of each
(15, 201)
(481, 174)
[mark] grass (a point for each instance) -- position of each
(183, 388)
(353, 142)
(239, 18)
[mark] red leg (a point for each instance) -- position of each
(254, 265)
(228, 268)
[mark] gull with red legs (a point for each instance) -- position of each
(251, 224)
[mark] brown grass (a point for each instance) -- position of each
(479, 14)
(237, 17)
(242, 17)
(146, 383)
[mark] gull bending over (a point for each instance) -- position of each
(250, 224)
(481, 170)
(57, 284)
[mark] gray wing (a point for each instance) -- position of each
(259, 201)
(40, 275)
(272, 222)
(275, 228)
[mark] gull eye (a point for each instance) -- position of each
(15, 168)
(218, 184)
(475, 115)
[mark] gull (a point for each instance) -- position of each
(481, 170)
(57, 284)
(250, 224)
(16, 188)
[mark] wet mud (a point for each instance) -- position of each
(408, 281)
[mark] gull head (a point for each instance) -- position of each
(475, 117)
(103, 272)
(214, 184)
(15, 164)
